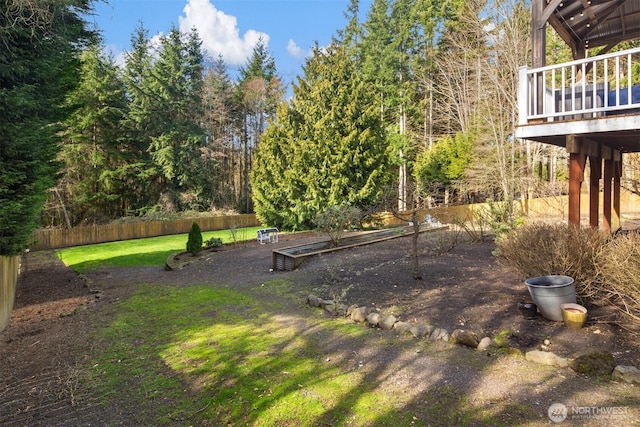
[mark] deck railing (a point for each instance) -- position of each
(592, 87)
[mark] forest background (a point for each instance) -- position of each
(419, 96)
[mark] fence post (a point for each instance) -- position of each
(9, 268)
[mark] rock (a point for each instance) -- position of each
(444, 335)
(546, 358)
(629, 374)
(387, 322)
(439, 334)
(313, 300)
(421, 330)
(351, 308)
(329, 308)
(326, 302)
(484, 344)
(464, 337)
(373, 318)
(595, 363)
(341, 309)
(359, 314)
(401, 327)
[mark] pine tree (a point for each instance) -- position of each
(38, 67)
(141, 174)
(326, 149)
(391, 43)
(176, 146)
(91, 149)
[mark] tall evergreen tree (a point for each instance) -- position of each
(91, 149)
(176, 146)
(391, 42)
(259, 92)
(327, 148)
(38, 67)
(140, 124)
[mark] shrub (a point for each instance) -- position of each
(214, 242)
(605, 268)
(335, 220)
(194, 242)
(498, 217)
(619, 270)
(541, 249)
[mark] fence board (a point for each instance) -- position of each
(9, 269)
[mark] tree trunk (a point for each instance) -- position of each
(417, 274)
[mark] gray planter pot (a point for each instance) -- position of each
(549, 292)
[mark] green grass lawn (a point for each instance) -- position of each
(142, 252)
(215, 356)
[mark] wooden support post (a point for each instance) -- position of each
(595, 171)
(538, 47)
(606, 203)
(617, 174)
(577, 161)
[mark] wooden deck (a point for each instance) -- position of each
(597, 98)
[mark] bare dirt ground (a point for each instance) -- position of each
(47, 346)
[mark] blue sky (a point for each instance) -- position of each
(230, 27)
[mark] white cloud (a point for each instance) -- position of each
(295, 50)
(219, 32)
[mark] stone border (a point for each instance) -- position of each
(594, 363)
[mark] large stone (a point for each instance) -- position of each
(439, 334)
(359, 314)
(326, 302)
(421, 330)
(351, 308)
(444, 335)
(329, 308)
(401, 327)
(465, 337)
(341, 309)
(595, 363)
(387, 322)
(629, 374)
(373, 318)
(484, 344)
(313, 300)
(546, 358)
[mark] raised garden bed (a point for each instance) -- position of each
(289, 258)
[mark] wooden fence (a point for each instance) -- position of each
(544, 207)
(54, 238)
(9, 269)
(549, 207)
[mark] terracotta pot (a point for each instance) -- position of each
(574, 315)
